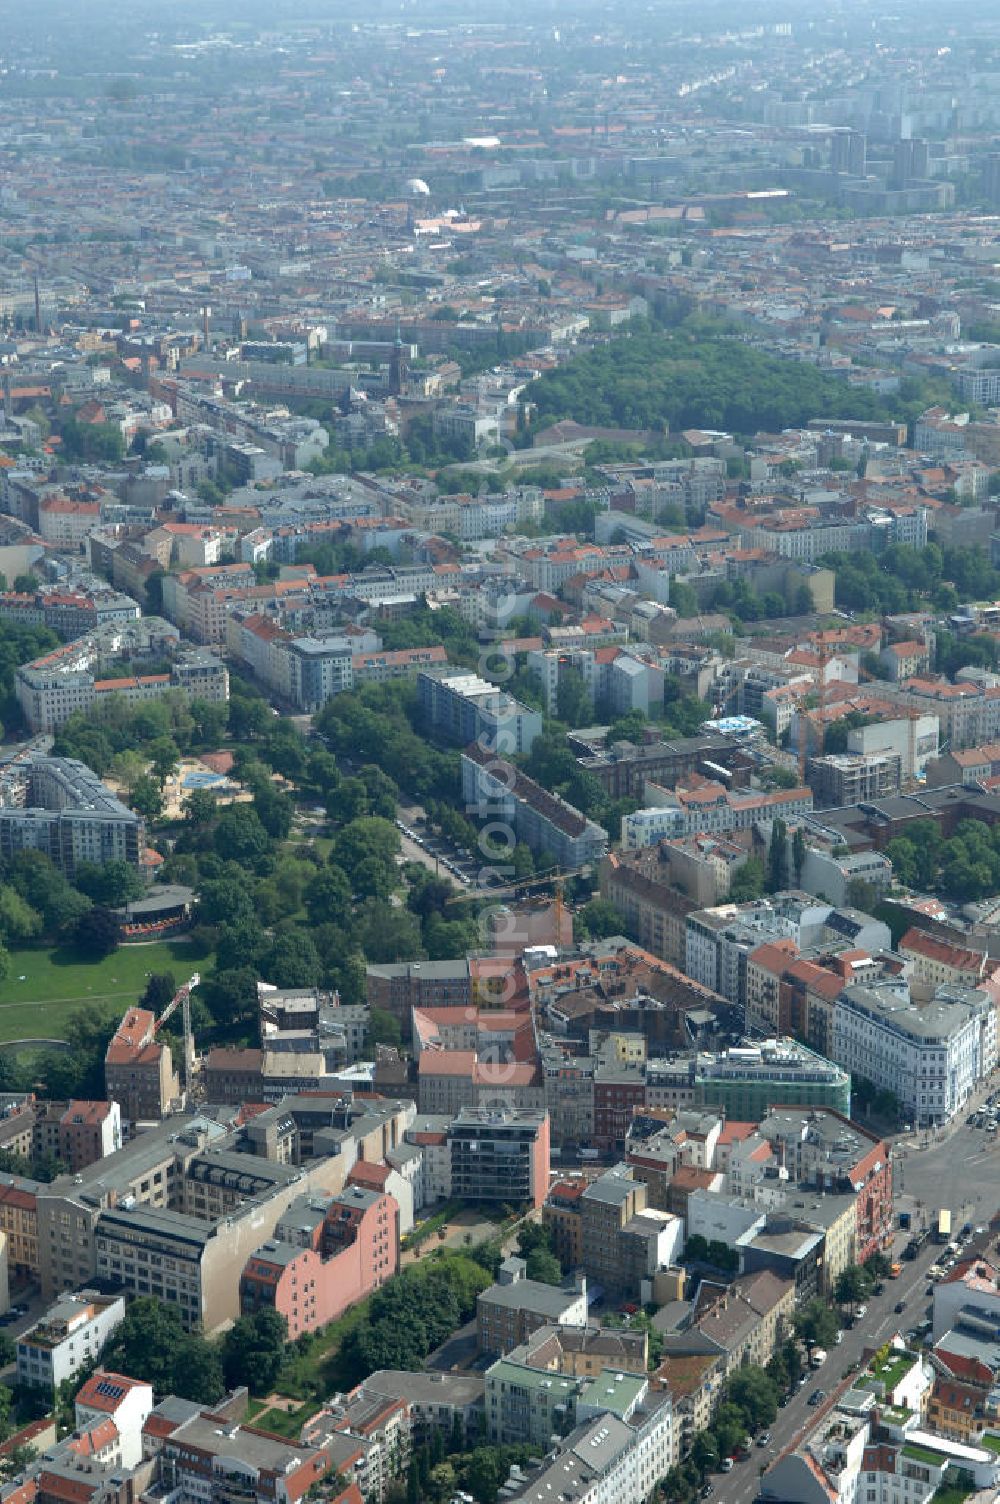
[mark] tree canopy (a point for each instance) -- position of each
(677, 380)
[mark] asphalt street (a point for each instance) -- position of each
(960, 1169)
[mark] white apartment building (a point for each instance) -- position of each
(707, 808)
(975, 1284)
(123, 1400)
(608, 1460)
(861, 1452)
(429, 1134)
(913, 738)
(718, 941)
(931, 1057)
(68, 1337)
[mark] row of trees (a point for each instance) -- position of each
(413, 1313)
(965, 867)
(438, 1470)
(18, 644)
(151, 1344)
(749, 1401)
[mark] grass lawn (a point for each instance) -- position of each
(890, 1372)
(918, 1453)
(58, 981)
(287, 1423)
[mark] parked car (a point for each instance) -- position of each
(726, 1465)
(817, 1397)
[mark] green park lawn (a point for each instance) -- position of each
(57, 982)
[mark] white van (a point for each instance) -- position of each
(817, 1357)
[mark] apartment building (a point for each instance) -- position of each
(68, 1338)
(860, 1450)
(623, 680)
(605, 1207)
(846, 778)
(971, 766)
(388, 1415)
(175, 1213)
(498, 790)
(19, 1223)
(654, 910)
(52, 688)
(569, 1093)
(584, 1351)
(736, 949)
(561, 1215)
(209, 1459)
(399, 987)
(705, 807)
(608, 1458)
(323, 1258)
(526, 1407)
(66, 524)
(69, 612)
(619, 1090)
(58, 806)
(973, 1288)
(500, 1156)
(87, 1132)
(75, 1132)
(510, 1310)
(452, 1081)
(434, 1401)
(968, 713)
(935, 962)
(462, 708)
(139, 1070)
(931, 1056)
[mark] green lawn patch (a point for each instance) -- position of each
(924, 1454)
(991, 1441)
(315, 1372)
(892, 1371)
(59, 981)
(287, 1423)
(433, 1224)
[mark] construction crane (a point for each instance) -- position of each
(182, 999)
(555, 876)
(824, 652)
